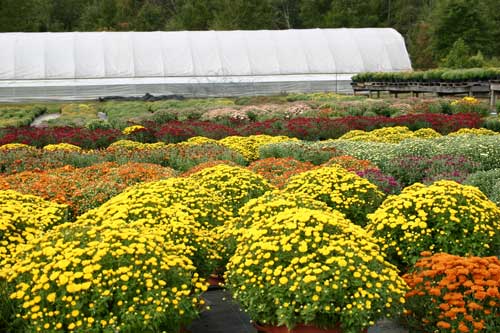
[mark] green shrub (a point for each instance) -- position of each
(488, 182)
(98, 124)
(314, 152)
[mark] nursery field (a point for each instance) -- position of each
(317, 212)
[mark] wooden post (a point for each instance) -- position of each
(378, 93)
(493, 99)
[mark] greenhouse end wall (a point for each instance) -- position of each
(51, 66)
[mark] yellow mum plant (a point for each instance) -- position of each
(132, 129)
(473, 131)
(205, 206)
(62, 146)
(107, 278)
(256, 211)
(234, 184)
(304, 266)
(24, 217)
(339, 189)
(13, 146)
(248, 146)
(176, 220)
(133, 145)
(442, 217)
(393, 134)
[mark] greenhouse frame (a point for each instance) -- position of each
(89, 65)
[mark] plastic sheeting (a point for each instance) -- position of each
(83, 65)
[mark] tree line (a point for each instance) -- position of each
(431, 27)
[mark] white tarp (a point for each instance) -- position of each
(52, 61)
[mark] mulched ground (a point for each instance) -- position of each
(226, 316)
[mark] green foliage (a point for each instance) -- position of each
(488, 182)
(120, 113)
(314, 152)
(19, 116)
(444, 75)
(460, 57)
(77, 115)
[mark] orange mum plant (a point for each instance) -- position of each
(278, 170)
(454, 294)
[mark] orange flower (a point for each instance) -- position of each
(462, 327)
(474, 306)
(478, 325)
(443, 324)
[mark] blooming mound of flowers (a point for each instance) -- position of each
(234, 184)
(62, 146)
(205, 165)
(24, 217)
(278, 170)
(175, 219)
(339, 189)
(306, 266)
(133, 145)
(132, 129)
(249, 146)
(204, 204)
(389, 134)
(473, 131)
(350, 163)
(259, 209)
(442, 217)
(454, 294)
(107, 278)
(14, 146)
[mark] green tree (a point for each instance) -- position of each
(454, 19)
(243, 14)
(190, 15)
(150, 17)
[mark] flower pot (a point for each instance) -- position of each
(300, 328)
(215, 281)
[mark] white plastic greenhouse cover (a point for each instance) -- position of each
(86, 65)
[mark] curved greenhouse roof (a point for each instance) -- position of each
(82, 65)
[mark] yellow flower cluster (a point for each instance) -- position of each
(146, 201)
(24, 217)
(132, 129)
(308, 266)
(442, 217)
(256, 211)
(390, 134)
(473, 131)
(13, 146)
(235, 185)
(248, 146)
(200, 140)
(339, 189)
(467, 100)
(62, 146)
(158, 207)
(132, 145)
(107, 278)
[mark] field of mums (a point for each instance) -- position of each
(324, 222)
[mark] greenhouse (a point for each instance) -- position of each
(89, 65)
